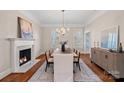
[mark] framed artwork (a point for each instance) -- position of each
(110, 38)
(25, 28)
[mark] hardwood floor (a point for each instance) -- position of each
(23, 77)
(99, 71)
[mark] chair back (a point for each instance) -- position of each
(76, 51)
(79, 57)
(73, 50)
(49, 53)
(46, 57)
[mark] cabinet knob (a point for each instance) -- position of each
(106, 56)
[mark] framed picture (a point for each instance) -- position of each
(110, 38)
(25, 28)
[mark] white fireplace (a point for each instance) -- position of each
(22, 54)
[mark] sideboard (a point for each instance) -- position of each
(112, 62)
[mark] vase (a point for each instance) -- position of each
(63, 48)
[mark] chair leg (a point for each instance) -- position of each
(46, 67)
(79, 66)
(76, 64)
(73, 68)
(53, 68)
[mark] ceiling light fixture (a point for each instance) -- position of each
(62, 30)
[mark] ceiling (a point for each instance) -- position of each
(54, 17)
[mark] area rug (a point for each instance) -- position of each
(85, 75)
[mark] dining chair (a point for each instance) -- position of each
(76, 61)
(49, 61)
(50, 53)
(76, 51)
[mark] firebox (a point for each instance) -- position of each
(24, 56)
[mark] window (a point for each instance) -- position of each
(78, 40)
(87, 42)
(54, 40)
(74, 39)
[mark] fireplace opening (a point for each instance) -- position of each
(24, 56)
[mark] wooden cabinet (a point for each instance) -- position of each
(112, 62)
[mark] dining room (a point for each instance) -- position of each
(62, 46)
(66, 46)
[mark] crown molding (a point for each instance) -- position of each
(30, 16)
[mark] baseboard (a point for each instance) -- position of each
(5, 73)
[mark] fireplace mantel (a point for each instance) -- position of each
(21, 41)
(18, 44)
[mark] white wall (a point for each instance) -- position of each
(8, 29)
(69, 36)
(108, 19)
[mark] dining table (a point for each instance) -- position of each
(74, 55)
(63, 66)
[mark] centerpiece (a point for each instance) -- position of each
(63, 49)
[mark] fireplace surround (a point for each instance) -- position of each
(22, 54)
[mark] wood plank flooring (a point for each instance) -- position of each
(23, 77)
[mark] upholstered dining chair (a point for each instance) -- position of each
(76, 51)
(77, 61)
(50, 54)
(49, 61)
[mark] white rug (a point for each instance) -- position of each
(85, 75)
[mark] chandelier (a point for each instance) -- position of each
(62, 30)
